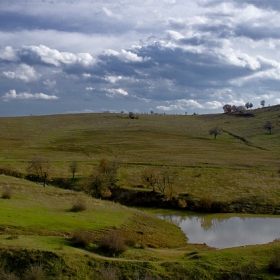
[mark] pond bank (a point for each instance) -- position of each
(140, 198)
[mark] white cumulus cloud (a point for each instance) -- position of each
(12, 95)
(24, 72)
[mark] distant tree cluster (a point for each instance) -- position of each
(228, 109)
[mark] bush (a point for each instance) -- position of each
(35, 272)
(182, 203)
(205, 204)
(82, 238)
(10, 171)
(113, 243)
(79, 205)
(7, 193)
(8, 276)
(108, 273)
(130, 242)
(274, 264)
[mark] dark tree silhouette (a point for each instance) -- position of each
(227, 108)
(215, 131)
(248, 105)
(39, 168)
(73, 168)
(269, 126)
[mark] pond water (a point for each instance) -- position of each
(225, 230)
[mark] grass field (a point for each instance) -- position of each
(243, 162)
(36, 225)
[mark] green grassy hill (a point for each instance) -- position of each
(243, 161)
(36, 224)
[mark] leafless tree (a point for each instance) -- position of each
(73, 168)
(240, 109)
(150, 178)
(215, 131)
(40, 168)
(269, 126)
(167, 183)
(227, 108)
(233, 108)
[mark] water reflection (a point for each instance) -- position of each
(225, 230)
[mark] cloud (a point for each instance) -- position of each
(24, 72)
(180, 105)
(142, 54)
(49, 83)
(109, 13)
(113, 79)
(126, 56)
(213, 105)
(116, 92)
(13, 95)
(47, 55)
(7, 53)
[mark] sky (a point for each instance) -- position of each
(165, 56)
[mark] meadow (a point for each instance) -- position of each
(37, 225)
(244, 161)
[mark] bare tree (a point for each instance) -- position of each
(109, 169)
(240, 109)
(227, 108)
(215, 131)
(150, 178)
(233, 109)
(168, 183)
(269, 126)
(73, 168)
(39, 168)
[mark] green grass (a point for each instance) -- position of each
(34, 209)
(242, 163)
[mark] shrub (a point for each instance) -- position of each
(7, 193)
(274, 264)
(205, 204)
(79, 205)
(35, 272)
(108, 273)
(130, 242)
(113, 243)
(10, 171)
(182, 203)
(8, 276)
(82, 238)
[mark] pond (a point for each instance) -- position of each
(225, 230)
